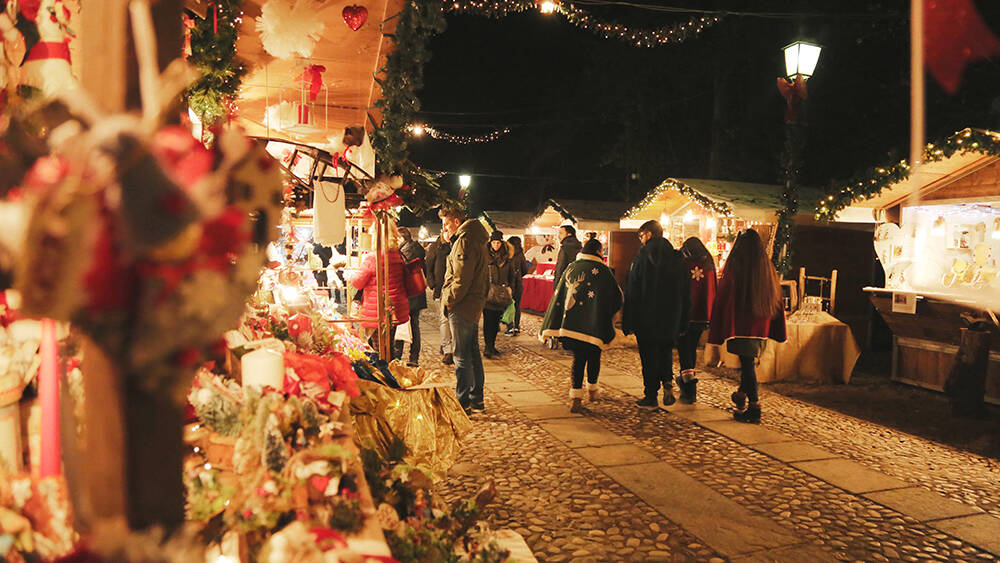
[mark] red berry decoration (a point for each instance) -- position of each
(355, 16)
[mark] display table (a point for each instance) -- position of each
(545, 267)
(819, 349)
(537, 292)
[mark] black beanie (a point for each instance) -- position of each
(593, 247)
(496, 235)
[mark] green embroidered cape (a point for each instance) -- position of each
(584, 303)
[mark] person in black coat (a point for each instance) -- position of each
(434, 267)
(411, 250)
(519, 267)
(568, 249)
(657, 302)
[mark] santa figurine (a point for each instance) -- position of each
(44, 24)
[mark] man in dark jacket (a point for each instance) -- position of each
(657, 300)
(464, 296)
(437, 261)
(568, 250)
(411, 250)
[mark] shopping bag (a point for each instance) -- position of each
(403, 332)
(508, 315)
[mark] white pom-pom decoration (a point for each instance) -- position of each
(289, 28)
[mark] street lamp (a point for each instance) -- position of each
(800, 63)
(800, 59)
(464, 180)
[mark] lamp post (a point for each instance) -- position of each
(800, 63)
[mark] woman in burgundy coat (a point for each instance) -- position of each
(747, 312)
(700, 264)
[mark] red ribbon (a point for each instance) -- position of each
(313, 74)
(215, 16)
(48, 50)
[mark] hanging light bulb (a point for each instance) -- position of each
(417, 130)
(547, 6)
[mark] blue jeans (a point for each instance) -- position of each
(468, 361)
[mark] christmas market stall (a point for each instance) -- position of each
(938, 238)
(821, 347)
(598, 219)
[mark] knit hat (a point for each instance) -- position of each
(593, 247)
(496, 235)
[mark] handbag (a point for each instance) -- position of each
(499, 295)
(415, 281)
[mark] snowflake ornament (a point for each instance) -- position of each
(697, 274)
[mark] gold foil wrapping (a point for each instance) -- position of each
(425, 416)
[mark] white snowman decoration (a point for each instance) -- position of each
(44, 24)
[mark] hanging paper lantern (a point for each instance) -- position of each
(355, 16)
(289, 28)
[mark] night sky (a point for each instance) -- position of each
(597, 119)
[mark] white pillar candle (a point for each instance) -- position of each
(263, 368)
(10, 437)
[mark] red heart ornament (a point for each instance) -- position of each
(355, 16)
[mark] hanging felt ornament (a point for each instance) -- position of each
(289, 28)
(355, 16)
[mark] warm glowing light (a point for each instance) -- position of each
(464, 180)
(689, 216)
(664, 220)
(547, 7)
(710, 223)
(938, 228)
(417, 130)
(423, 233)
(800, 59)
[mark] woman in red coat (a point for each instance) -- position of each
(395, 286)
(747, 312)
(700, 264)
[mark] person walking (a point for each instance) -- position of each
(395, 286)
(701, 267)
(519, 267)
(437, 260)
(581, 314)
(657, 303)
(747, 312)
(500, 272)
(412, 250)
(569, 247)
(463, 295)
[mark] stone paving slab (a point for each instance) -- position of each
(546, 412)
(623, 382)
(850, 475)
(793, 451)
(981, 530)
(577, 433)
(922, 504)
(698, 412)
(524, 398)
(721, 523)
(618, 454)
(745, 433)
(511, 385)
(792, 554)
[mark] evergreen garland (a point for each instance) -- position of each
(213, 53)
(400, 79)
(873, 182)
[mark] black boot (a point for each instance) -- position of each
(739, 399)
(689, 391)
(751, 415)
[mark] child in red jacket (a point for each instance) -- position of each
(701, 265)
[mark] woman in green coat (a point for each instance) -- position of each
(581, 314)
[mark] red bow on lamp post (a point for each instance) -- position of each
(794, 93)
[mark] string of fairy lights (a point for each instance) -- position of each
(419, 130)
(718, 207)
(583, 19)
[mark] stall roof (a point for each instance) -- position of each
(510, 221)
(963, 153)
(725, 197)
(351, 59)
(588, 210)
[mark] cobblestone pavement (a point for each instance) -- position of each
(569, 509)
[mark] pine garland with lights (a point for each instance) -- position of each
(878, 179)
(782, 252)
(582, 19)
(718, 207)
(213, 53)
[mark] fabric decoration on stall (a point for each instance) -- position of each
(289, 28)
(329, 213)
